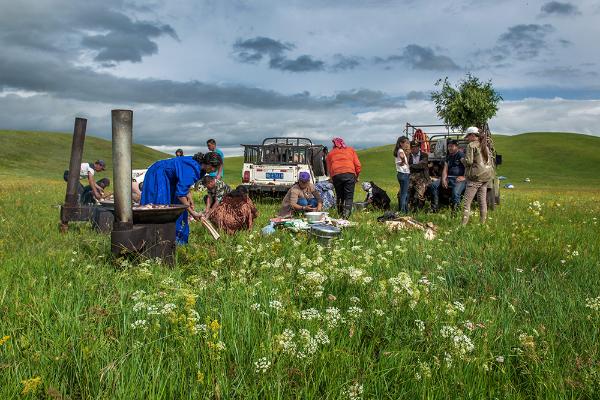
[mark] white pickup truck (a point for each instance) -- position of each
(272, 167)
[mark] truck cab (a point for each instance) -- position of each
(272, 167)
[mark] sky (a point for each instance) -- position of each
(239, 71)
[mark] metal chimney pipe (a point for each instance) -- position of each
(122, 127)
(71, 197)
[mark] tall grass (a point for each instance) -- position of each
(505, 310)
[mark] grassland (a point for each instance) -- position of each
(506, 310)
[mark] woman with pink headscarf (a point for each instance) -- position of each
(344, 168)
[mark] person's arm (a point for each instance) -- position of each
(208, 202)
(468, 160)
(328, 163)
(356, 161)
(319, 198)
(185, 201)
(220, 172)
(445, 175)
(190, 197)
(95, 188)
(421, 165)
(294, 201)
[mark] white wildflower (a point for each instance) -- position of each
(593, 303)
(262, 365)
(255, 306)
(333, 317)
(168, 308)
(276, 305)
(310, 314)
(354, 391)
(355, 312)
(140, 324)
(420, 325)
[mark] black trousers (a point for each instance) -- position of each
(344, 191)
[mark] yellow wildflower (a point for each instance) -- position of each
(4, 339)
(190, 300)
(200, 377)
(214, 326)
(31, 385)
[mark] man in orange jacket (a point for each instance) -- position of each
(344, 168)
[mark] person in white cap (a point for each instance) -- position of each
(376, 196)
(478, 172)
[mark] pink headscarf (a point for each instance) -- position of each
(339, 143)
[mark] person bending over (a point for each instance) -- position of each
(302, 196)
(217, 189)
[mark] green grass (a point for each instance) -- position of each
(526, 280)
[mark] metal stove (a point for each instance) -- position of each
(140, 230)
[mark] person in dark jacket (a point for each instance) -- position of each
(376, 196)
(419, 175)
(87, 196)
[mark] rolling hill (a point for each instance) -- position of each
(565, 160)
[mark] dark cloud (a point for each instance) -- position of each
(419, 57)
(366, 98)
(417, 95)
(129, 43)
(64, 27)
(254, 49)
(563, 73)
(21, 71)
(303, 63)
(525, 41)
(345, 63)
(558, 8)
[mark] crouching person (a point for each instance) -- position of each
(87, 195)
(235, 212)
(376, 196)
(302, 196)
(217, 189)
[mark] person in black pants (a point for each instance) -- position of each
(344, 169)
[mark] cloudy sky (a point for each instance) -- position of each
(239, 70)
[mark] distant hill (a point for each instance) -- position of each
(46, 155)
(549, 159)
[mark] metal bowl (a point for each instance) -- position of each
(324, 234)
(359, 206)
(157, 215)
(315, 217)
(151, 215)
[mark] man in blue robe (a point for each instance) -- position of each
(169, 182)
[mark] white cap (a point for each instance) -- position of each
(472, 129)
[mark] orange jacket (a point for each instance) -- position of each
(343, 161)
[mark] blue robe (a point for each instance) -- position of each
(166, 181)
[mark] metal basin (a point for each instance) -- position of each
(152, 215)
(359, 206)
(324, 234)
